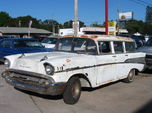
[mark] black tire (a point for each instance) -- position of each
(72, 92)
(130, 77)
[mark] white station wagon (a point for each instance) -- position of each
(83, 61)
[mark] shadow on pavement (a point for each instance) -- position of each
(148, 71)
(58, 97)
(1, 63)
(145, 109)
(102, 86)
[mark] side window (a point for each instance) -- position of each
(64, 44)
(118, 47)
(80, 45)
(6, 44)
(104, 47)
(130, 46)
(91, 47)
(85, 46)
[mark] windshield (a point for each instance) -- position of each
(50, 40)
(77, 45)
(27, 44)
(149, 42)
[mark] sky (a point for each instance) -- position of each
(89, 11)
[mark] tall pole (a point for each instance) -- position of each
(75, 17)
(118, 21)
(106, 16)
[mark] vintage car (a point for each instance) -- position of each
(49, 42)
(83, 61)
(148, 50)
(10, 46)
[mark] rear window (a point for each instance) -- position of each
(27, 43)
(6, 44)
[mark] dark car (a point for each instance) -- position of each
(10, 46)
(140, 40)
(148, 50)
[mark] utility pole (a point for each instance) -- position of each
(106, 16)
(118, 26)
(75, 17)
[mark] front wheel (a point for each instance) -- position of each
(130, 77)
(72, 92)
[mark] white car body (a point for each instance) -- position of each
(93, 70)
(48, 45)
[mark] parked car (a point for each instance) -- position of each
(140, 40)
(49, 42)
(83, 61)
(148, 50)
(10, 46)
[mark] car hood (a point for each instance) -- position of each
(48, 56)
(146, 49)
(34, 62)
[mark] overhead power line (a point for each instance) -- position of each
(141, 2)
(147, 3)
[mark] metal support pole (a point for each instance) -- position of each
(118, 22)
(75, 17)
(106, 16)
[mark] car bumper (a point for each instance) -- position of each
(31, 82)
(149, 61)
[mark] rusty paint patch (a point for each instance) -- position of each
(84, 36)
(68, 60)
(69, 36)
(125, 38)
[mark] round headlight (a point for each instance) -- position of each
(7, 63)
(49, 69)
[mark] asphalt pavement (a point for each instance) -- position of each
(116, 97)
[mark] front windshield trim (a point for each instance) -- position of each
(76, 45)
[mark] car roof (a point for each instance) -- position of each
(103, 37)
(18, 39)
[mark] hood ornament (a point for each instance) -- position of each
(44, 58)
(22, 55)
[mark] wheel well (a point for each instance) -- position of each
(136, 71)
(83, 79)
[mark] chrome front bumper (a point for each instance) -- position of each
(33, 82)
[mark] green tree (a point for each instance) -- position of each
(24, 21)
(5, 19)
(134, 26)
(96, 24)
(50, 24)
(69, 24)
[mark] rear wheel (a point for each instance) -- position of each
(72, 92)
(130, 77)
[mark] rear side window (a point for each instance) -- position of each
(104, 47)
(130, 46)
(118, 47)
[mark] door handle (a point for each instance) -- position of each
(126, 55)
(113, 56)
